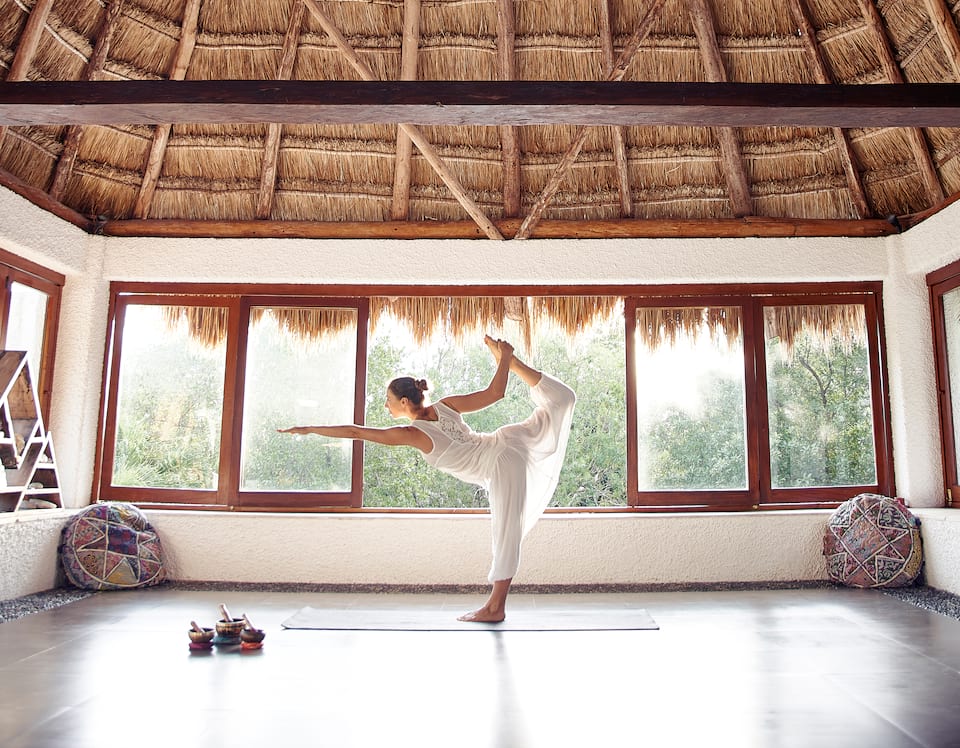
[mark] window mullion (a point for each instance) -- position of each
(360, 401)
(758, 424)
(228, 484)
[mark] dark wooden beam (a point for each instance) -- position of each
(42, 200)
(545, 229)
(480, 103)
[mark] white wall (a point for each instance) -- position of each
(444, 549)
(563, 549)
(28, 551)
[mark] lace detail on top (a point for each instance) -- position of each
(452, 428)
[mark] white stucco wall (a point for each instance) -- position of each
(28, 551)
(443, 549)
(563, 549)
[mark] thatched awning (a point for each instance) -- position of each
(462, 316)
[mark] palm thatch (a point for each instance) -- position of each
(309, 173)
(459, 317)
(663, 326)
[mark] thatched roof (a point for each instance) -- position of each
(482, 180)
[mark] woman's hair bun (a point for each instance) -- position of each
(421, 384)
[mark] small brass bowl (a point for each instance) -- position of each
(201, 637)
(230, 628)
(252, 635)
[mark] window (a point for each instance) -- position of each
(29, 315)
(760, 400)
(945, 307)
(194, 405)
(756, 398)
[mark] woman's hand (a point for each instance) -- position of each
(295, 430)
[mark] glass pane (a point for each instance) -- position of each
(170, 399)
(28, 312)
(594, 470)
(951, 326)
(301, 371)
(691, 422)
(819, 396)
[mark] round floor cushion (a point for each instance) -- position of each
(111, 546)
(873, 541)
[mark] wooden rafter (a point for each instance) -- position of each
(808, 36)
(29, 40)
(915, 137)
(732, 159)
(98, 58)
(618, 132)
(616, 73)
(161, 135)
(428, 151)
(403, 166)
(947, 32)
(509, 142)
(271, 148)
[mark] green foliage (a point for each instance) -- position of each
(701, 451)
(821, 429)
(168, 425)
(594, 473)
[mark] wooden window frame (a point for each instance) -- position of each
(939, 283)
(14, 269)
(758, 495)
(227, 495)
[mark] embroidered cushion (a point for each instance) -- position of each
(110, 546)
(873, 541)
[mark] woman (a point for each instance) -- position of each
(519, 464)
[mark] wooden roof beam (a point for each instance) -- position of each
(428, 151)
(618, 133)
(915, 137)
(621, 228)
(731, 157)
(271, 146)
(161, 135)
(509, 140)
(808, 36)
(491, 103)
(403, 161)
(615, 74)
(71, 143)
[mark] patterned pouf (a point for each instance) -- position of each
(873, 541)
(111, 546)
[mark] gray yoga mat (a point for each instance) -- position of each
(406, 619)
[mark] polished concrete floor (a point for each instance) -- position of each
(772, 669)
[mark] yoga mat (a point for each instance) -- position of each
(445, 619)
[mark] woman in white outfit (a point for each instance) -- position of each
(519, 464)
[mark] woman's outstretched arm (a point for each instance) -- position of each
(393, 436)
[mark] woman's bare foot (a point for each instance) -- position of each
(497, 347)
(484, 615)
